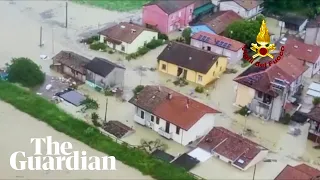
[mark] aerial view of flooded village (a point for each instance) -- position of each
(160, 89)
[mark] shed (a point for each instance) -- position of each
(200, 154)
(186, 161)
(293, 22)
(162, 155)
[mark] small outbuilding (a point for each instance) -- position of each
(293, 22)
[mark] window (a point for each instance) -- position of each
(142, 114)
(259, 94)
(164, 67)
(217, 63)
(208, 48)
(158, 120)
(152, 118)
(178, 130)
(199, 78)
(122, 48)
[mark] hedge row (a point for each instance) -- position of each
(49, 113)
(154, 43)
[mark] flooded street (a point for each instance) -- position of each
(21, 38)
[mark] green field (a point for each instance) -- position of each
(115, 5)
(49, 113)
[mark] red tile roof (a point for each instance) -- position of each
(174, 110)
(221, 20)
(231, 146)
(300, 172)
(247, 4)
(302, 51)
(235, 45)
(288, 68)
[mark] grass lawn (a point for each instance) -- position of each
(116, 5)
(61, 121)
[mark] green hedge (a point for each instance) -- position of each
(49, 113)
(153, 44)
(97, 46)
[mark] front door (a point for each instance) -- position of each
(185, 74)
(149, 122)
(113, 46)
(167, 127)
(179, 71)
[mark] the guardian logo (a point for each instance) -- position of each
(59, 157)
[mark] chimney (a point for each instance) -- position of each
(190, 58)
(188, 102)
(159, 89)
(304, 62)
(295, 46)
(169, 96)
(130, 21)
(309, 50)
(133, 30)
(122, 27)
(69, 55)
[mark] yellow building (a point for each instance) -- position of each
(193, 64)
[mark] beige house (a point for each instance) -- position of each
(219, 45)
(312, 32)
(247, 9)
(269, 92)
(127, 37)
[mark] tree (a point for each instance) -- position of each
(245, 31)
(316, 101)
(26, 72)
(186, 34)
(151, 146)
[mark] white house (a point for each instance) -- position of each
(219, 45)
(173, 115)
(231, 148)
(127, 37)
(268, 92)
(104, 73)
(310, 54)
(247, 9)
(312, 35)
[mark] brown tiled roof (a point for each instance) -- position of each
(288, 68)
(247, 4)
(169, 6)
(235, 45)
(231, 146)
(124, 31)
(314, 114)
(221, 20)
(72, 60)
(154, 99)
(188, 57)
(302, 51)
(300, 172)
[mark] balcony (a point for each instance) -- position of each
(139, 120)
(164, 133)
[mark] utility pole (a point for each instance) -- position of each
(66, 14)
(105, 114)
(254, 171)
(52, 42)
(40, 37)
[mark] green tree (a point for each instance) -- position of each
(186, 34)
(26, 72)
(316, 101)
(245, 31)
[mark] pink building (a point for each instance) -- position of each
(168, 16)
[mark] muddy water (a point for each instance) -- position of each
(16, 129)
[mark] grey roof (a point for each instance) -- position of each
(293, 19)
(170, 6)
(101, 66)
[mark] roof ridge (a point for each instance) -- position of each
(196, 48)
(255, 73)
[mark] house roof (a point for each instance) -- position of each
(155, 100)
(101, 66)
(300, 172)
(314, 23)
(188, 57)
(169, 6)
(246, 4)
(314, 114)
(220, 20)
(293, 19)
(231, 145)
(72, 60)
(124, 32)
(235, 45)
(288, 68)
(302, 51)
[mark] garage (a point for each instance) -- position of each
(200, 154)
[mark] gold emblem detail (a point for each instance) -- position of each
(263, 39)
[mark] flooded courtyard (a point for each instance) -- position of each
(21, 37)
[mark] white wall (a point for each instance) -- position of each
(231, 5)
(259, 157)
(277, 107)
(311, 36)
(203, 126)
(234, 56)
(294, 85)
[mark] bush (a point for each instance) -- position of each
(186, 34)
(25, 72)
(131, 56)
(244, 111)
(180, 39)
(110, 51)
(89, 103)
(137, 89)
(98, 46)
(316, 101)
(97, 88)
(108, 92)
(61, 121)
(91, 40)
(162, 36)
(154, 43)
(285, 119)
(199, 89)
(142, 50)
(95, 118)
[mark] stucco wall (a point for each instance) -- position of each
(234, 56)
(244, 95)
(114, 78)
(154, 15)
(180, 18)
(277, 108)
(77, 75)
(311, 36)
